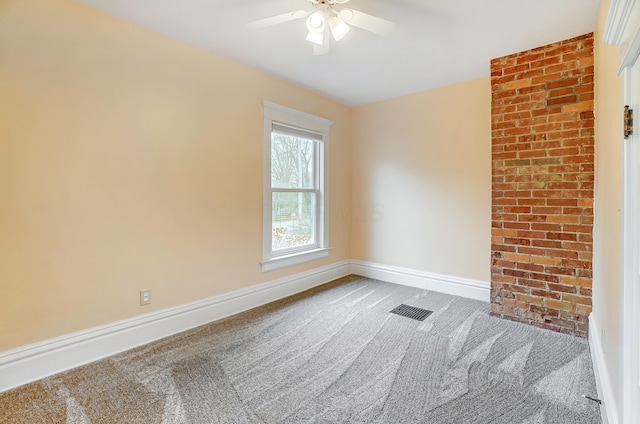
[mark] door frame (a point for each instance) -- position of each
(631, 255)
(623, 29)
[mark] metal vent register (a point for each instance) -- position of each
(411, 312)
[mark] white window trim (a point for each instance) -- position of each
(284, 115)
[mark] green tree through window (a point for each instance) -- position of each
(293, 212)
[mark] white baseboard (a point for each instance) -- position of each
(464, 287)
(39, 360)
(609, 407)
(33, 362)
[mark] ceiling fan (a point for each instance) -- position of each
(324, 19)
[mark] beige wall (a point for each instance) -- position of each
(131, 161)
(422, 181)
(607, 278)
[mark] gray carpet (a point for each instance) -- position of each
(331, 355)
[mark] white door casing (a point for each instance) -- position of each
(631, 258)
(623, 29)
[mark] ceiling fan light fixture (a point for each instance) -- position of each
(324, 20)
(316, 22)
(315, 37)
(338, 28)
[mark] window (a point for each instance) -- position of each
(295, 225)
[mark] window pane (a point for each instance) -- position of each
(292, 161)
(293, 221)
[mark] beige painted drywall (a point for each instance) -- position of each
(131, 161)
(607, 243)
(422, 181)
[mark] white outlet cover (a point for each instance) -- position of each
(145, 297)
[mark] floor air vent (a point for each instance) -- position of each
(411, 312)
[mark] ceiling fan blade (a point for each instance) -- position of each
(278, 19)
(320, 49)
(367, 22)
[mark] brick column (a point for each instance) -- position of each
(542, 190)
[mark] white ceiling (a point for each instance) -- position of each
(435, 43)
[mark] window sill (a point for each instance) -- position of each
(293, 259)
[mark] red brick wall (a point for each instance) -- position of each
(542, 190)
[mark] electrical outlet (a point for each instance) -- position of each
(145, 297)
